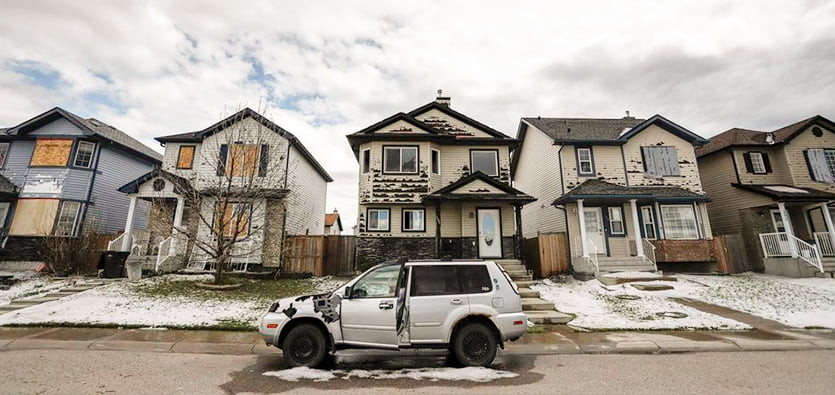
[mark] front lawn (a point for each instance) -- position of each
(171, 301)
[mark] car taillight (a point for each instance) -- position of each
(519, 322)
(273, 326)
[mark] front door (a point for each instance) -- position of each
(368, 316)
(780, 227)
(594, 229)
(489, 233)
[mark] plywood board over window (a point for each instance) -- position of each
(51, 152)
(34, 217)
(185, 158)
(234, 214)
(243, 160)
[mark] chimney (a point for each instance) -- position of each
(441, 99)
(628, 116)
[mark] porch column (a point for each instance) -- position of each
(520, 249)
(178, 223)
(582, 217)
(438, 230)
(636, 223)
(126, 244)
(787, 223)
(827, 217)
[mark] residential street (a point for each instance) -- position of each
(71, 371)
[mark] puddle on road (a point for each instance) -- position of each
(383, 365)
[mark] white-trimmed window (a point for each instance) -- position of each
(84, 154)
(436, 161)
(757, 162)
(585, 163)
(829, 154)
(366, 160)
(378, 220)
(649, 223)
(414, 220)
(67, 219)
(4, 151)
(679, 222)
(485, 161)
(400, 160)
(616, 220)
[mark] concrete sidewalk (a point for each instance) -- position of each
(558, 340)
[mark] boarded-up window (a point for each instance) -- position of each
(4, 150)
(660, 161)
(51, 152)
(242, 160)
(185, 158)
(34, 217)
(234, 216)
(819, 169)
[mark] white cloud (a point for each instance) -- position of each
(333, 68)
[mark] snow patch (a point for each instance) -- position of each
(301, 372)
(475, 374)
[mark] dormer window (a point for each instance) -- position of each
(400, 160)
(585, 162)
(485, 161)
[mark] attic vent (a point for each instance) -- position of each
(817, 131)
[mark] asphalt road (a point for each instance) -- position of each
(71, 372)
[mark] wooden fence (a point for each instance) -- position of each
(320, 255)
(731, 254)
(547, 254)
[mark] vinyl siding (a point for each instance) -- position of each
(717, 173)
(608, 166)
(306, 201)
(538, 174)
(109, 206)
(653, 136)
(797, 161)
(780, 173)
(58, 127)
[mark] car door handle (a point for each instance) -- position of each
(385, 305)
(456, 301)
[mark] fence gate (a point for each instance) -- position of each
(731, 254)
(320, 255)
(339, 255)
(548, 254)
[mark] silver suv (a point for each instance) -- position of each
(468, 307)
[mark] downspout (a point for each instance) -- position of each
(286, 208)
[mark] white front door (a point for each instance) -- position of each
(489, 233)
(594, 229)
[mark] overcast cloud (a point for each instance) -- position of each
(324, 70)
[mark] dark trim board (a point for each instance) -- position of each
(478, 225)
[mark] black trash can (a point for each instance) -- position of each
(114, 263)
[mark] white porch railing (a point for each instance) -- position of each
(649, 252)
(593, 255)
(780, 245)
(116, 244)
(808, 252)
(824, 243)
(164, 251)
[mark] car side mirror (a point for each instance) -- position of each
(348, 292)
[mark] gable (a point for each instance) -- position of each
(659, 122)
(401, 127)
(447, 124)
(58, 127)
(477, 186)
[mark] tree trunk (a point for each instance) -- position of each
(221, 264)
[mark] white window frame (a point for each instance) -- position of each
(589, 160)
(668, 228)
(58, 227)
(619, 210)
(5, 153)
(435, 165)
(422, 212)
(78, 149)
(400, 169)
(757, 162)
(775, 216)
(366, 167)
(829, 155)
(495, 154)
(647, 218)
(378, 229)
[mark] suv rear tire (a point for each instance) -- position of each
(305, 345)
(475, 345)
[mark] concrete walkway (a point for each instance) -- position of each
(558, 340)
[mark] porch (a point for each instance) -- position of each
(800, 241)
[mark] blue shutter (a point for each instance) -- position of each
(264, 160)
(221, 160)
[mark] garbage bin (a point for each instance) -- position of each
(134, 270)
(114, 263)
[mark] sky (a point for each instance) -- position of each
(326, 69)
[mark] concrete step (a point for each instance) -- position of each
(517, 278)
(42, 299)
(548, 317)
(60, 294)
(524, 283)
(636, 268)
(11, 307)
(514, 267)
(528, 293)
(507, 261)
(25, 302)
(529, 304)
(77, 288)
(512, 273)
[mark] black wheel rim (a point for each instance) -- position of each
(304, 349)
(476, 346)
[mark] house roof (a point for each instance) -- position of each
(787, 192)
(90, 127)
(738, 137)
(198, 136)
(438, 131)
(508, 193)
(591, 189)
(330, 219)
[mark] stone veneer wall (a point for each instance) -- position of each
(375, 250)
(19, 248)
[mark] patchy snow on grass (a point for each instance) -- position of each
(798, 302)
(597, 306)
(475, 374)
(32, 285)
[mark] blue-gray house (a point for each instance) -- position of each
(60, 172)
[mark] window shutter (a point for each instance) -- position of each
(766, 162)
(672, 161)
(649, 161)
(264, 160)
(818, 169)
(749, 166)
(221, 160)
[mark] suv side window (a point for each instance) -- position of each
(474, 279)
(380, 283)
(434, 280)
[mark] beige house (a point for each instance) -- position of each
(435, 183)
(626, 191)
(244, 152)
(776, 189)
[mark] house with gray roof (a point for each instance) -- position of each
(626, 191)
(777, 189)
(60, 172)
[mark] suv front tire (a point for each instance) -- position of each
(305, 345)
(475, 345)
